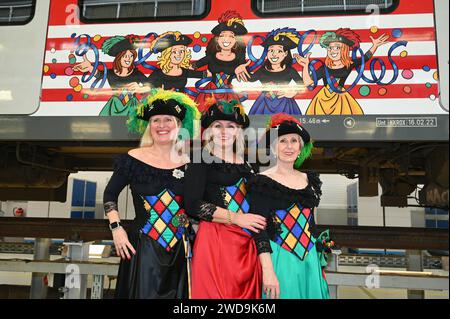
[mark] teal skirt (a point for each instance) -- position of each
(299, 279)
(115, 107)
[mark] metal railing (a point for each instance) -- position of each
(80, 233)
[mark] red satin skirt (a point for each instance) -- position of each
(225, 263)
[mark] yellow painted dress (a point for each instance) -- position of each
(328, 102)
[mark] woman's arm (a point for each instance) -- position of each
(202, 62)
(196, 74)
(195, 205)
(261, 205)
(271, 286)
(376, 43)
(111, 194)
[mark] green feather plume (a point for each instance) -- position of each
(228, 107)
(108, 44)
(304, 154)
(324, 39)
(190, 120)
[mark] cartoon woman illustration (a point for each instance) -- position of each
(174, 62)
(124, 78)
(225, 58)
(339, 45)
(277, 72)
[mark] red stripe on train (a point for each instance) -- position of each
(410, 62)
(376, 92)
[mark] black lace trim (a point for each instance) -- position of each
(206, 211)
(226, 167)
(110, 206)
(140, 172)
(273, 226)
(263, 247)
(307, 197)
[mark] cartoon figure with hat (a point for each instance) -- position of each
(225, 59)
(277, 73)
(174, 62)
(338, 66)
(124, 78)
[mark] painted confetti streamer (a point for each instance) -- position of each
(141, 60)
(334, 86)
(81, 50)
(378, 79)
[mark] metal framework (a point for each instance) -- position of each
(344, 236)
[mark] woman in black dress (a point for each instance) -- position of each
(154, 251)
(288, 198)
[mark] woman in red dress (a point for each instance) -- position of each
(229, 255)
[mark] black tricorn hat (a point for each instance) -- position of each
(117, 44)
(287, 43)
(281, 124)
(236, 27)
(170, 41)
(161, 107)
(225, 111)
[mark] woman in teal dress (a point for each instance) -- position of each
(287, 197)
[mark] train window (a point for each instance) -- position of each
(329, 7)
(125, 10)
(16, 12)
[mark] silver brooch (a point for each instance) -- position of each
(177, 173)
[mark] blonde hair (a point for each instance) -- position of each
(238, 145)
(147, 138)
(164, 59)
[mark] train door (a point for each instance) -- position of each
(23, 30)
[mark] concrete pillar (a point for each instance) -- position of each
(333, 265)
(415, 263)
(76, 284)
(39, 287)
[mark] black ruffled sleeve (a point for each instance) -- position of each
(194, 191)
(316, 185)
(119, 180)
(260, 204)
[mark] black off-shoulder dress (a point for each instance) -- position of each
(158, 233)
(297, 252)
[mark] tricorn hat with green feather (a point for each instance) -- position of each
(164, 102)
(224, 111)
(117, 44)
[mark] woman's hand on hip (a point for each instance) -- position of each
(252, 222)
